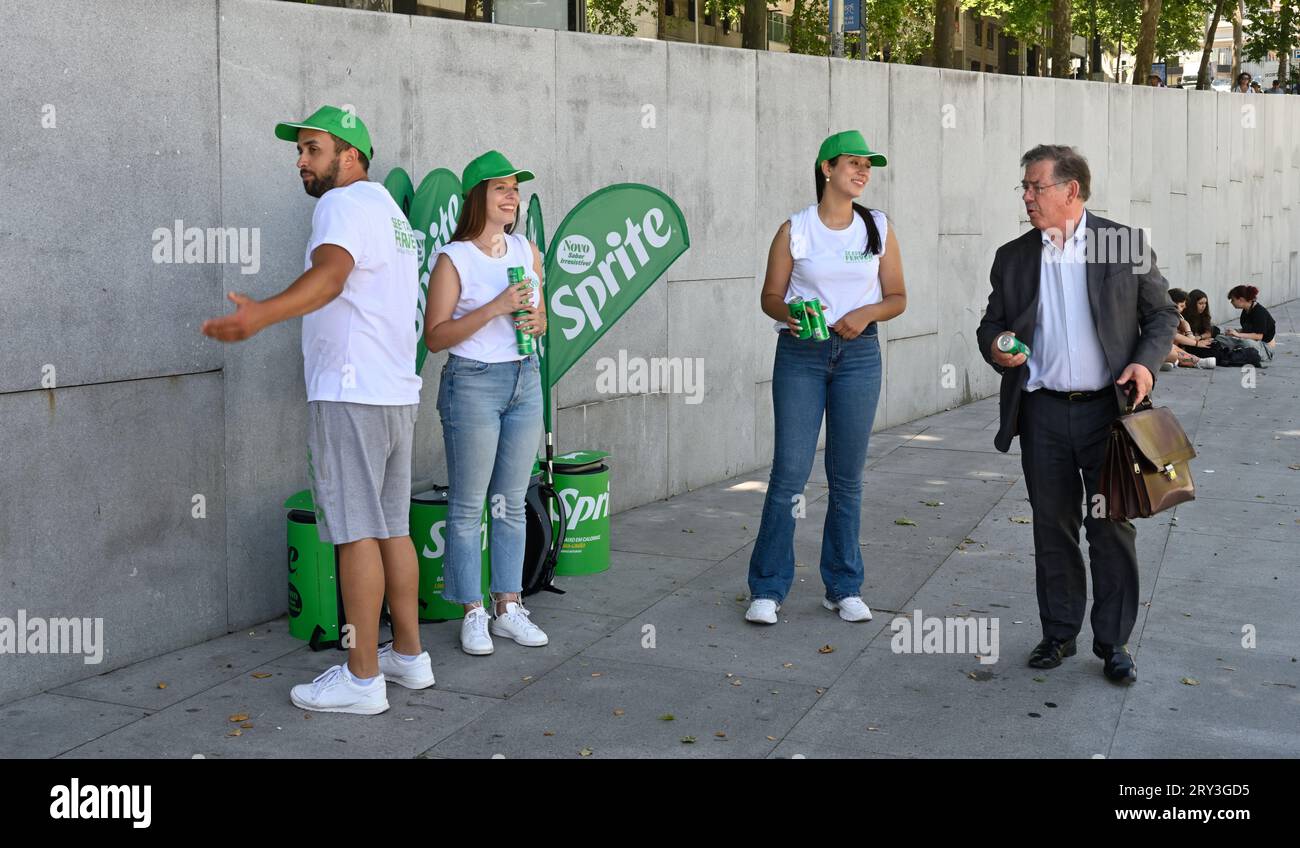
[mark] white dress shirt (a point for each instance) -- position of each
(1067, 354)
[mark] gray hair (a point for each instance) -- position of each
(1067, 164)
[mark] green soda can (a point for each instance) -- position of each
(817, 319)
(1011, 345)
(799, 309)
(524, 342)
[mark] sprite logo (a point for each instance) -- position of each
(434, 210)
(628, 252)
(606, 253)
(580, 508)
(441, 229)
(438, 538)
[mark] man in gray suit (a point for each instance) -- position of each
(1085, 296)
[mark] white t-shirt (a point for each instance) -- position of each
(482, 278)
(360, 347)
(833, 265)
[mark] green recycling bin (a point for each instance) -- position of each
(315, 598)
(429, 533)
(582, 484)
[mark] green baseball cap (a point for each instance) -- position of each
(331, 119)
(851, 143)
(490, 166)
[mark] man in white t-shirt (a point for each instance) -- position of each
(358, 299)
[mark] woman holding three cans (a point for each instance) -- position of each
(490, 396)
(843, 258)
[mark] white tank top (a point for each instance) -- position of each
(834, 265)
(482, 278)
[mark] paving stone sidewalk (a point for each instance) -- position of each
(711, 685)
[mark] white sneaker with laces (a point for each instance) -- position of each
(514, 624)
(335, 692)
(1166, 366)
(762, 611)
(850, 609)
(1206, 362)
(474, 638)
(416, 674)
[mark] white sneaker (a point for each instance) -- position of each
(415, 674)
(762, 611)
(1206, 362)
(1166, 366)
(850, 609)
(474, 638)
(335, 692)
(514, 624)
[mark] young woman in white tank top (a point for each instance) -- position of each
(489, 398)
(845, 256)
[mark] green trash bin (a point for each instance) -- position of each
(582, 483)
(315, 598)
(429, 533)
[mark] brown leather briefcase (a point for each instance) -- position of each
(1146, 469)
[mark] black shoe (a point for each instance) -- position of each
(1120, 666)
(1049, 652)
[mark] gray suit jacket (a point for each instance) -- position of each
(1135, 318)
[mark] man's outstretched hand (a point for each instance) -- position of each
(241, 324)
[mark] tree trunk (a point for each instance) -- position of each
(1238, 13)
(1146, 49)
(753, 34)
(1203, 74)
(943, 12)
(1061, 39)
(1284, 48)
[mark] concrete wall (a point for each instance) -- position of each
(121, 117)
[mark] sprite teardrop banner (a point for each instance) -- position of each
(602, 258)
(533, 226)
(399, 185)
(434, 211)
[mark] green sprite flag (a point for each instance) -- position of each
(606, 253)
(399, 185)
(434, 211)
(533, 226)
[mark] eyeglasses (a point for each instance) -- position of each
(1033, 188)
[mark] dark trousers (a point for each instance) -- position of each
(1063, 446)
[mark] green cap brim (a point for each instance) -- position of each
(289, 132)
(877, 160)
(523, 175)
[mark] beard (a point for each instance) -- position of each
(318, 185)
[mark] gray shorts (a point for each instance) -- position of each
(359, 464)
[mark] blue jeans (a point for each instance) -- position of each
(840, 379)
(491, 426)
